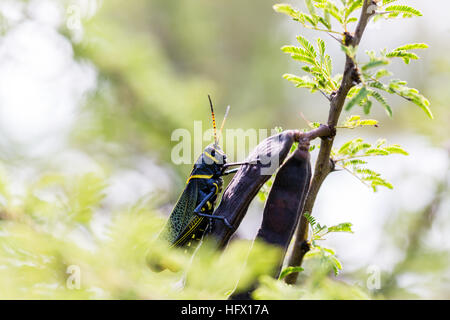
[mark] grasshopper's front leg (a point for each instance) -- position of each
(198, 210)
(225, 173)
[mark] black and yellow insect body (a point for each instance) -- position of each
(194, 209)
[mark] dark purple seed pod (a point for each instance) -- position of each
(244, 186)
(286, 199)
(284, 207)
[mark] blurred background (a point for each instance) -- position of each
(98, 87)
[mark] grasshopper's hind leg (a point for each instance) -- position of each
(198, 210)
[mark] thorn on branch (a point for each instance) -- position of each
(335, 38)
(325, 95)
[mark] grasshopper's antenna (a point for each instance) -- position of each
(216, 142)
(223, 123)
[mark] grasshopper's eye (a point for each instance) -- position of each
(213, 153)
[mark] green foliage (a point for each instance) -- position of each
(320, 13)
(358, 98)
(263, 193)
(317, 286)
(367, 88)
(399, 88)
(349, 155)
(355, 121)
(372, 72)
(402, 52)
(406, 11)
(319, 65)
(371, 78)
(319, 262)
(49, 229)
(287, 271)
(318, 232)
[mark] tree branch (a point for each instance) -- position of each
(324, 165)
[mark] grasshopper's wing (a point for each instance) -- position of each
(182, 213)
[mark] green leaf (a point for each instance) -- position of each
(399, 87)
(337, 266)
(376, 151)
(286, 9)
(407, 11)
(382, 101)
(382, 73)
(345, 147)
(87, 192)
(353, 7)
(304, 59)
(374, 64)
(404, 55)
(310, 7)
(385, 2)
(342, 227)
(355, 162)
(411, 46)
(362, 94)
(326, 23)
(310, 219)
(293, 50)
(300, 82)
(396, 149)
(288, 270)
(321, 46)
(367, 107)
(299, 54)
(308, 46)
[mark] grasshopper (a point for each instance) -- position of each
(193, 212)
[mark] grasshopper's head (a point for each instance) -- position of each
(213, 155)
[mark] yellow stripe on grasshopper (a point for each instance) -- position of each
(211, 157)
(199, 176)
(217, 187)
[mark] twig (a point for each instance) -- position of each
(325, 95)
(353, 174)
(306, 120)
(335, 38)
(324, 30)
(323, 164)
